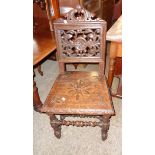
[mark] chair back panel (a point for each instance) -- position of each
(80, 38)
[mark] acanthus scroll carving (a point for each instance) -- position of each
(81, 42)
(80, 14)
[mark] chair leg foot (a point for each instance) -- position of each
(40, 71)
(105, 127)
(56, 127)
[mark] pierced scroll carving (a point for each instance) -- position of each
(81, 42)
(80, 14)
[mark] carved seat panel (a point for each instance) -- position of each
(79, 93)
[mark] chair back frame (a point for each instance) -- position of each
(80, 39)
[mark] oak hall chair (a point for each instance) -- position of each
(80, 39)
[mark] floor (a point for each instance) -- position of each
(74, 141)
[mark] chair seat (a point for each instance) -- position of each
(79, 93)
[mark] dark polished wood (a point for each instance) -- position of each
(53, 12)
(79, 93)
(118, 74)
(56, 126)
(43, 43)
(101, 8)
(39, 70)
(115, 66)
(64, 6)
(43, 46)
(37, 104)
(69, 3)
(114, 35)
(40, 3)
(105, 127)
(80, 38)
(117, 10)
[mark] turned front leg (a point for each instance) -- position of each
(56, 126)
(105, 127)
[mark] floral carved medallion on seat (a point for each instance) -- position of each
(79, 89)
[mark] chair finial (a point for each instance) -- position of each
(79, 14)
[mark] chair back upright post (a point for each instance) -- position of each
(80, 38)
(53, 12)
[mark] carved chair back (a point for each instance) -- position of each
(80, 38)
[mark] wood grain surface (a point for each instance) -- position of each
(43, 43)
(79, 93)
